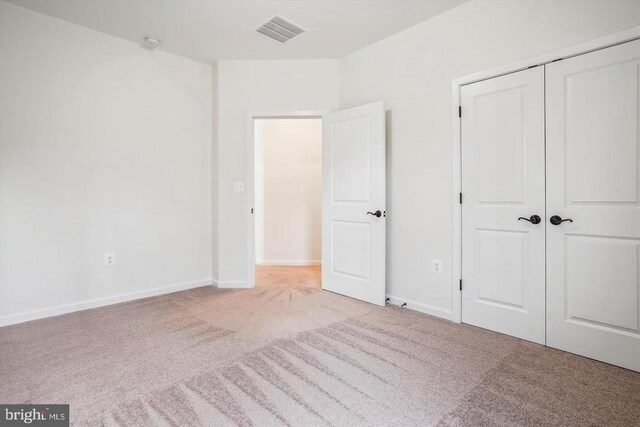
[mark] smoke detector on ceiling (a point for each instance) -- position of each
(151, 42)
(280, 29)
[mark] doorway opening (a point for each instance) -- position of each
(287, 201)
(352, 208)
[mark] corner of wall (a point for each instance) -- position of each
(214, 170)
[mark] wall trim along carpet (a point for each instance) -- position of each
(101, 302)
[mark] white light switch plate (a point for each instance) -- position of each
(436, 265)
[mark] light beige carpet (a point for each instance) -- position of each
(288, 353)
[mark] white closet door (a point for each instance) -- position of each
(503, 269)
(593, 294)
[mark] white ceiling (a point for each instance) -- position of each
(210, 30)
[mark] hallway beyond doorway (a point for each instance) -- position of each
(289, 276)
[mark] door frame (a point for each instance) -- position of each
(250, 190)
(456, 85)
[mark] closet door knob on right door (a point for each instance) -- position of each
(556, 220)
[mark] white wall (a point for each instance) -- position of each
(258, 86)
(288, 191)
(104, 147)
(412, 73)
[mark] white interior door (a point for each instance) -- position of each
(593, 294)
(503, 265)
(353, 220)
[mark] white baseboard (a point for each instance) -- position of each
(295, 263)
(13, 319)
(231, 285)
(422, 308)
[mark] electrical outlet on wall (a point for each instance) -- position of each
(109, 259)
(436, 265)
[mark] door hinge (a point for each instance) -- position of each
(459, 111)
(460, 198)
(460, 284)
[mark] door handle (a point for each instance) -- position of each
(376, 214)
(534, 219)
(556, 220)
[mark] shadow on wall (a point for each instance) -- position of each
(388, 119)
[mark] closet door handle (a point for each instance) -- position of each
(376, 214)
(557, 220)
(534, 219)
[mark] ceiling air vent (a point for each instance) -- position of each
(280, 29)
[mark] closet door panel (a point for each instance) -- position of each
(593, 159)
(503, 180)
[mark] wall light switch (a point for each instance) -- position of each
(436, 265)
(238, 186)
